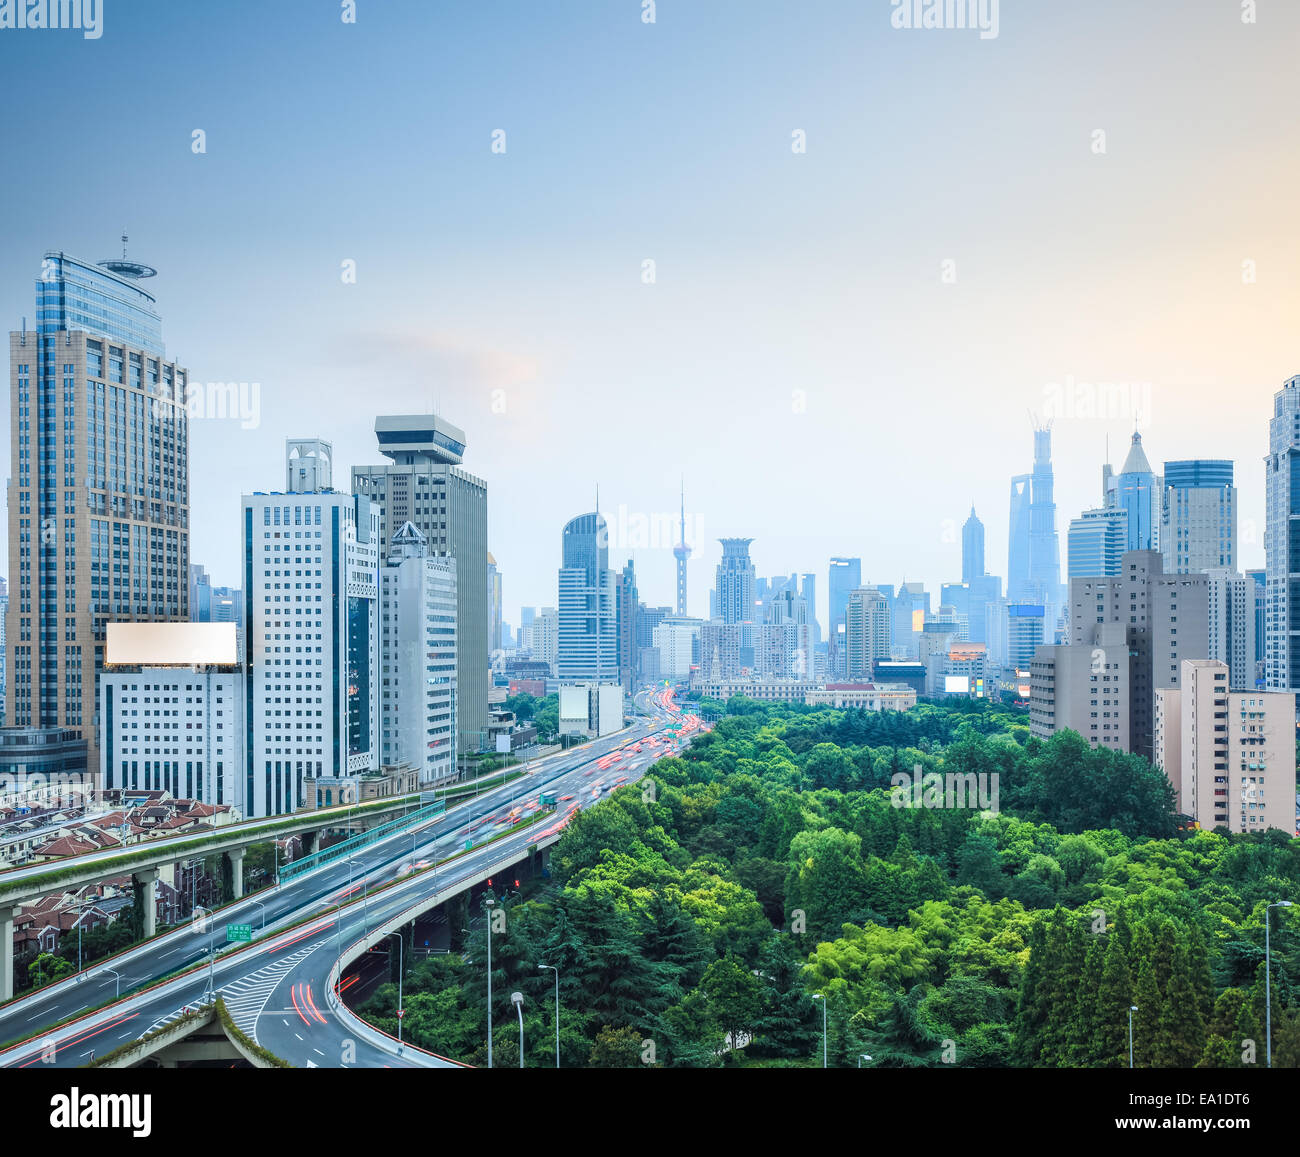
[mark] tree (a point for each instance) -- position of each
(46, 969)
(616, 1048)
(735, 998)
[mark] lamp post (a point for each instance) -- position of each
(1268, 987)
(263, 907)
(489, 903)
(1132, 1008)
(518, 999)
(401, 959)
(365, 899)
(212, 946)
(863, 1057)
(556, 970)
(118, 977)
(822, 998)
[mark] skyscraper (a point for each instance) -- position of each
(1096, 542)
(418, 658)
(626, 604)
(99, 492)
(494, 606)
(735, 581)
(1198, 517)
(682, 552)
(1136, 490)
(587, 648)
(972, 548)
(311, 573)
(424, 484)
(867, 632)
(1282, 542)
(1034, 553)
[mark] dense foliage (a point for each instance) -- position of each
(694, 915)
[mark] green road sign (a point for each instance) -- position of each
(469, 844)
(237, 932)
(548, 801)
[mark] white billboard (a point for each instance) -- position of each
(170, 645)
(956, 684)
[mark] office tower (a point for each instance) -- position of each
(1231, 624)
(527, 615)
(1034, 554)
(724, 652)
(308, 466)
(972, 548)
(1026, 632)
(1198, 516)
(1281, 541)
(1229, 755)
(735, 582)
(682, 552)
(417, 644)
(546, 638)
(494, 606)
(808, 589)
(311, 573)
(909, 608)
(676, 640)
(845, 575)
(144, 751)
(1166, 620)
(99, 492)
(867, 632)
(424, 484)
(1096, 542)
(1259, 590)
(200, 594)
(984, 590)
(588, 617)
(784, 647)
(1084, 689)
(625, 608)
(1136, 489)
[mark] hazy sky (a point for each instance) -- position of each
(803, 355)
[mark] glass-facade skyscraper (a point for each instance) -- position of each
(99, 491)
(587, 648)
(1198, 517)
(1282, 542)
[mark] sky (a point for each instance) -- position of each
(1089, 217)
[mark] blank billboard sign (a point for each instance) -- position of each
(956, 684)
(170, 645)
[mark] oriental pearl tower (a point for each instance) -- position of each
(682, 552)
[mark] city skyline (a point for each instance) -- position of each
(558, 317)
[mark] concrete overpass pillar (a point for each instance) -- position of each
(237, 873)
(7, 916)
(308, 842)
(144, 896)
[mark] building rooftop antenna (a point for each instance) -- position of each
(126, 268)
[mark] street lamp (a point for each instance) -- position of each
(1132, 1008)
(489, 903)
(401, 958)
(263, 907)
(556, 970)
(212, 947)
(118, 976)
(819, 996)
(365, 899)
(518, 999)
(863, 1057)
(1268, 987)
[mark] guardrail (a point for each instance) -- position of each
(296, 868)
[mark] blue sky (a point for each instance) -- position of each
(799, 357)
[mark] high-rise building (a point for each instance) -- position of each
(99, 491)
(1281, 542)
(1096, 542)
(867, 632)
(424, 484)
(1034, 553)
(677, 642)
(1136, 489)
(808, 589)
(417, 643)
(1084, 689)
(588, 612)
(735, 582)
(1229, 755)
(682, 553)
(546, 637)
(311, 570)
(626, 603)
(1231, 624)
(1198, 517)
(972, 548)
(4, 611)
(1165, 619)
(1026, 632)
(845, 575)
(494, 606)
(1259, 590)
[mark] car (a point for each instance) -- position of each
(563, 797)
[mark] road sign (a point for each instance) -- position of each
(237, 932)
(469, 844)
(400, 1013)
